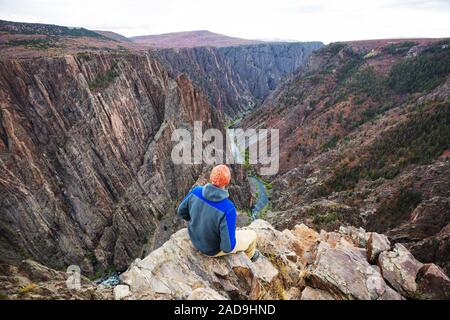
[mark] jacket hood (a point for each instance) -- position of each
(213, 193)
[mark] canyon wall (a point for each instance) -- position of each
(86, 174)
(237, 78)
(262, 67)
(85, 168)
(213, 74)
(364, 131)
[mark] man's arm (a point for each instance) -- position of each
(228, 231)
(183, 208)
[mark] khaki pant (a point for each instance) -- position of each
(245, 241)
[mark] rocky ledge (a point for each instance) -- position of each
(296, 264)
(31, 280)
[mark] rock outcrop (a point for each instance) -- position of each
(432, 283)
(400, 268)
(295, 264)
(376, 244)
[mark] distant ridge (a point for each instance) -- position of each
(45, 29)
(190, 39)
(113, 35)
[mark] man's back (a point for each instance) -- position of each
(212, 219)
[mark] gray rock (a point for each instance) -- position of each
(121, 292)
(345, 273)
(400, 269)
(376, 244)
(432, 283)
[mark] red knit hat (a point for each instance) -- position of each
(220, 176)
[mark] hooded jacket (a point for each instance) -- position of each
(211, 219)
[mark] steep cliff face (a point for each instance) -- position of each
(236, 78)
(213, 74)
(85, 164)
(262, 67)
(364, 131)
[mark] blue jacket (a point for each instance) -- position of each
(211, 217)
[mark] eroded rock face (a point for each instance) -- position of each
(235, 78)
(263, 66)
(85, 166)
(427, 232)
(213, 74)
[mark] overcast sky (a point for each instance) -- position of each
(324, 20)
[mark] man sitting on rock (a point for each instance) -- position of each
(212, 218)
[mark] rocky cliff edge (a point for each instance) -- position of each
(296, 264)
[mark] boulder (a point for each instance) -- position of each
(121, 292)
(400, 269)
(176, 269)
(358, 235)
(305, 244)
(344, 272)
(432, 283)
(288, 251)
(376, 244)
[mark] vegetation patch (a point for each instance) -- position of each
(422, 73)
(367, 81)
(49, 29)
(330, 144)
(104, 79)
(333, 48)
(352, 63)
(92, 258)
(419, 140)
(268, 185)
(24, 253)
(391, 211)
(27, 289)
(399, 48)
(326, 219)
(39, 43)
